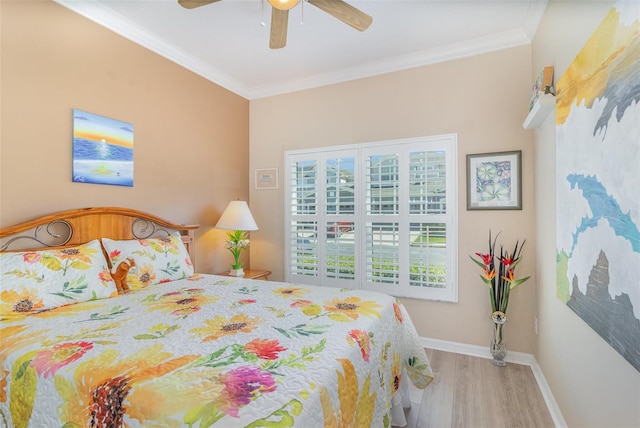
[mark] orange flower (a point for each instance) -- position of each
(81, 253)
(3, 385)
(25, 301)
(396, 371)
(145, 276)
(356, 407)
(489, 275)
(101, 386)
(105, 277)
(70, 310)
(264, 349)
(398, 312)
(14, 338)
(182, 302)
(510, 276)
(291, 291)
(220, 326)
(351, 308)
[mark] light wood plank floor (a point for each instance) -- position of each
(470, 392)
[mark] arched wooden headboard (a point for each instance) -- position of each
(78, 226)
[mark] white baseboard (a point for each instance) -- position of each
(512, 357)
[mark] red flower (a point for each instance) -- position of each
(184, 312)
(486, 258)
(49, 361)
(114, 254)
(31, 257)
(362, 339)
(500, 279)
(105, 276)
(264, 349)
(507, 261)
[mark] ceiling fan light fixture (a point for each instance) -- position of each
(283, 4)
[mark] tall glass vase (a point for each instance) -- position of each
(498, 348)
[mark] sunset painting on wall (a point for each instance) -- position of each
(102, 150)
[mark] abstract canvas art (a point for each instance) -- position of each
(598, 181)
(102, 150)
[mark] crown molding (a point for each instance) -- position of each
(115, 22)
(445, 53)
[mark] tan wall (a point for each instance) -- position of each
(593, 385)
(191, 136)
(483, 99)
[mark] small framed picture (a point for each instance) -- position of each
(494, 181)
(267, 178)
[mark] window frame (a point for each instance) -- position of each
(446, 143)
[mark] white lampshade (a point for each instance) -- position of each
(237, 216)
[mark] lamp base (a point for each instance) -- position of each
(236, 272)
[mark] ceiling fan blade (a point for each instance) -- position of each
(192, 4)
(279, 24)
(345, 13)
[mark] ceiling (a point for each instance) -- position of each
(227, 43)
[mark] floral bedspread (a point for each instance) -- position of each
(211, 351)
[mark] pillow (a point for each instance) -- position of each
(144, 262)
(34, 281)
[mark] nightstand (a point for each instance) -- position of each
(252, 274)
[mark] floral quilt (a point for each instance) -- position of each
(211, 351)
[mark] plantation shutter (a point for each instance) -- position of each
(378, 216)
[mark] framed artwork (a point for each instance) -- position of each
(494, 181)
(102, 150)
(597, 182)
(267, 178)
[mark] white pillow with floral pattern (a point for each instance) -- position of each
(155, 260)
(34, 281)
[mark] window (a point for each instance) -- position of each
(378, 216)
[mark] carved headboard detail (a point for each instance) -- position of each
(78, 226)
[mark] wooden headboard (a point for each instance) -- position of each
(74, 227)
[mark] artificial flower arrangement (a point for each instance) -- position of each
(236, 241)
(502, 281)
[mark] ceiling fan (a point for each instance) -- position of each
(280, 15)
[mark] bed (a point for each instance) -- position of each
(105, 323)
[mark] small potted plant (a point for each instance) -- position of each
(236, 241)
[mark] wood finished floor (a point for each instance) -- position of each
(470, 392)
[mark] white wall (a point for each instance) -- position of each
(593, 385)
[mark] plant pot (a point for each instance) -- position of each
(236, 272)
